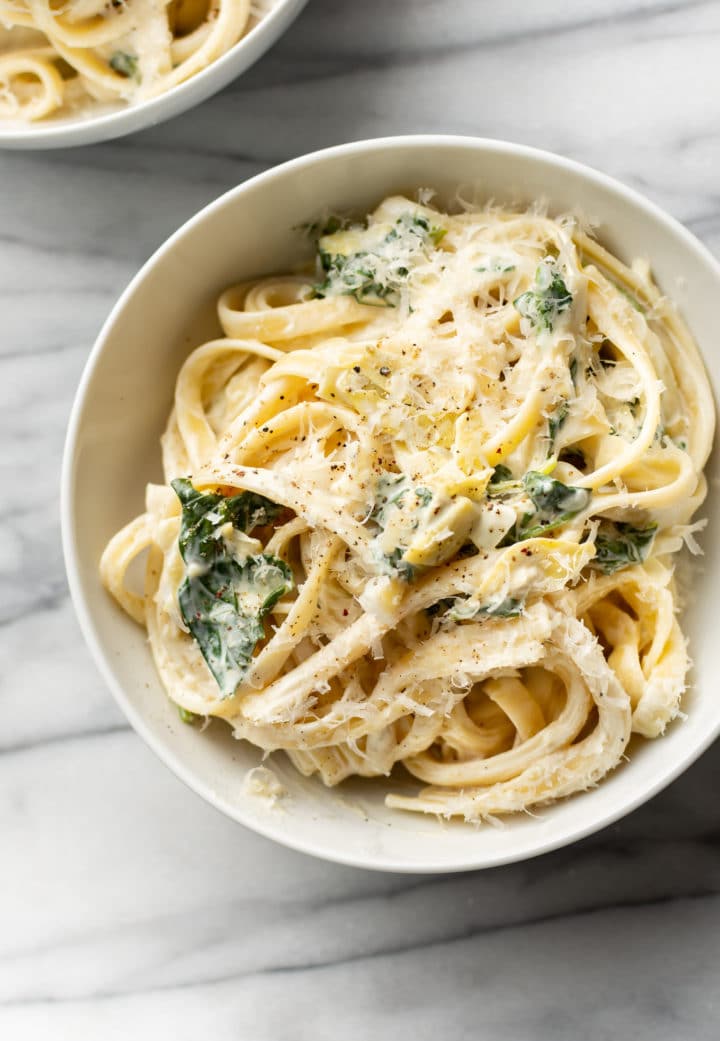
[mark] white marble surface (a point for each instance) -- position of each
(130, 908)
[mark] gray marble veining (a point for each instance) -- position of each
(130, 908)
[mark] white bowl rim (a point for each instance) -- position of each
(191, 92)
(272, 829)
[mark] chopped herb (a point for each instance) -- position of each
(620, 545)
(124, 64)
(185, 716)
(223, 601)
(573, 370)
(542, 305)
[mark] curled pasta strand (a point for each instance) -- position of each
(561, 771)
(18, 99)
(117, 557)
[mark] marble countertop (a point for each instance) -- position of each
(131, 908)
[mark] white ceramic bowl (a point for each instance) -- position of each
(102, 124)
(112, 449)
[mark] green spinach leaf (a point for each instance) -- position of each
(550, 297)
(205, 513)
(619, 545)
(394, 491)
(552, 499)
(501, 475)
(376, 275)
(555, 503)
(224, 610)
(224, 601)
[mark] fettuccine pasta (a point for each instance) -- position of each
(421, 507)
(57, 56)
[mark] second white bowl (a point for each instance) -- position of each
(98, 124)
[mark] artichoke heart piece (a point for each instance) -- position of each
(439, 539)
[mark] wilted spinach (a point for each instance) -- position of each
(619, 545)
(547, 300)
(223, 600)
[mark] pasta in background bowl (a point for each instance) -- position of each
(520, 632)
(88, 70)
